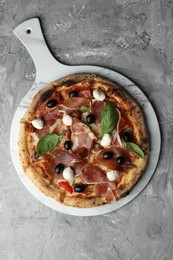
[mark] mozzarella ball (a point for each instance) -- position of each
(99, 94)
(106, 140)
(68, 173)
(112, 175)
(67, 120)
(38, 123)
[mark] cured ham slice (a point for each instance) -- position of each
(92, 174)
(103, 189)
(75, 102)
(116, 140)
(47, 129)
(109, 195)
(78, 166)
(112, 163)
(82, 137)
(124, 124)
(97, 108)
(50, 161)
(54, 114)
(100, 189)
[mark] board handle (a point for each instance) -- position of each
(30, 34)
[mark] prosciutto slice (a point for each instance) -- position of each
(112, 163)
(47, 129)
(103, 189)
(78, 166)
(97, 108)
(75, 102)
(82, 138)
(92, 174)
(50, 161)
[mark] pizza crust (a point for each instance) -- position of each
(126, 103)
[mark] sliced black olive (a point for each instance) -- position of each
(36, 155)
(59, 168)
(127, 136)
(120, 160)
(79, 188)
(68, 145)
(73, 94)
(51, 103)
(90, 119)
(108, 155)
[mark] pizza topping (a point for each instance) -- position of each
(75, 103)
(109, 118)
(54, 114)
(93, 174)
(112, 175)
(127, 136)
(59, 168)
(51, 103)
(120, 160)
(81, 136)
(77, 166)
(106, 140)
(100, 189)
(73, 94)
(99, 94)
(97, 107)
(116, 140)
(66, 186)
(79, 188)
(136, 149)
(90, 118)
(38, 123)
(36, 155)
(108, 155)
(109, 195)
(67, 120)
(68, 173)
(67, 145)
(47, 143)
(112, 163)
(58, 157)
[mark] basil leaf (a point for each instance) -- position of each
(109, 118)
(135, 148)
(47, 143)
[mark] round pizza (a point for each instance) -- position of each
(83, 141)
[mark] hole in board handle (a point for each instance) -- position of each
(28, 31)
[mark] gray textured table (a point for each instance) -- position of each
(134, 38)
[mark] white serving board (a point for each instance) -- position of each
(48, 69)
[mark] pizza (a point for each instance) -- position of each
(83, 141)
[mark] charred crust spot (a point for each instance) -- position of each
(126, 194)
(68, 83)
(144, 140)
(46, 95)
(121, 187)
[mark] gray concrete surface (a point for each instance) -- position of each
(132, 37)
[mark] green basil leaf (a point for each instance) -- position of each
(136, 149)
(47, 143)
(109, 118)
